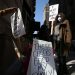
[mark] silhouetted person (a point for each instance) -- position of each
(62, 38)
(44, 32)
(62, 31)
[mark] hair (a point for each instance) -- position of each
(62, 16)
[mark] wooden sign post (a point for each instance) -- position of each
(53, 11)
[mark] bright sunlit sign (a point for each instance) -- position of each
(42, 61)
(17, 25)
(53, 11)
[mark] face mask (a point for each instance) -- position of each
(59, 19)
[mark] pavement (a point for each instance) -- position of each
(71, 62)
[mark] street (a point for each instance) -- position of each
(71, 63)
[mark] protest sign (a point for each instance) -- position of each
(53, 11)
(42, 60)
(17, 24)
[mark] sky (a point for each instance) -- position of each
(39, 10)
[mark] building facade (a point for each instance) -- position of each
(46, 14)
(28, 14)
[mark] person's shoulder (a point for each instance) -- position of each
(66, 21)
(43, 27)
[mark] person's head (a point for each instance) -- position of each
(60, 17)
(44, 22)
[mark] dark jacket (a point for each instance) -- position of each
(43, 33)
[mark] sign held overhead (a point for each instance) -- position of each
(53, 11)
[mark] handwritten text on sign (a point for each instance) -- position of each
(17, 25)
(53, 11)
(42, 61)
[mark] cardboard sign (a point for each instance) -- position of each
(42, 61)
(17, 24)
(53, 11)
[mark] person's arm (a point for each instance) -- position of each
(7, 11)
(68, 31)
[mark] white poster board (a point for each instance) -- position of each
(17, 24)
(42, 60)
(53, 11)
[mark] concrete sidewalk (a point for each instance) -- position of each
(71, 63)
